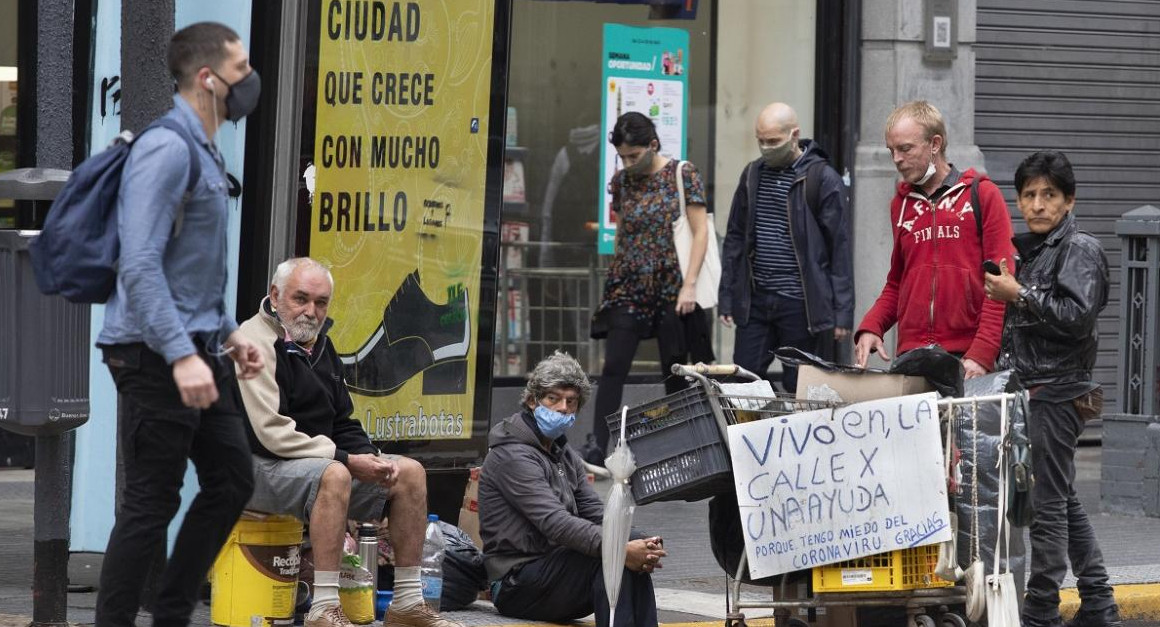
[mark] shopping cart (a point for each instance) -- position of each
(680, 443)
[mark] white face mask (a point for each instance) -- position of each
(930, 170)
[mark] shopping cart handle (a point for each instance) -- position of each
(718, 370)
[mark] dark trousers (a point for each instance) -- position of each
(157, 436)
(774, 321)
(624, 334)
(564, 585)
(1060, 531)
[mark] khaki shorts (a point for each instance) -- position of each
(289, 486)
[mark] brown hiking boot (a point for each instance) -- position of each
(332, 616)
(418, 615)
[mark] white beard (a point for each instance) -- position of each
(303, 330)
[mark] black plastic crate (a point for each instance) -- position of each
(678, 447)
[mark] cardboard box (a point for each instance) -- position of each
(469, 513)
(817, 384)
(472, 491)
(469, 523)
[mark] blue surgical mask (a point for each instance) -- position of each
(552, 423)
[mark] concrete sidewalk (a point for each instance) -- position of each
(690, 589)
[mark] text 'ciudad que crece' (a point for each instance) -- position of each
(369, 23)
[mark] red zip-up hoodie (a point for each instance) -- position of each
(934, 290)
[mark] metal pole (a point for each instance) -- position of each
(146, 86)
(51, 511)
(53, 483)
(146, 93)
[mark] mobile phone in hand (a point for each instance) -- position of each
(992, 268)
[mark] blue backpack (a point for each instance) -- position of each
(76, 253)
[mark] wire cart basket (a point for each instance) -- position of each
(682, 450)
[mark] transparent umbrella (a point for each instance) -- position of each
(617, 517)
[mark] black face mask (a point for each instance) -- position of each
(243, 96)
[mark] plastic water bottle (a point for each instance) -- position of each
(431, 567)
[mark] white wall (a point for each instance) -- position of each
(765, 53)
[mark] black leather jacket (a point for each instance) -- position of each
(1052, 340)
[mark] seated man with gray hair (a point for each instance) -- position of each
(540, 519)
(313, 460)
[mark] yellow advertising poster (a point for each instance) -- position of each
(397, 207)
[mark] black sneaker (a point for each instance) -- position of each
(1096, 618)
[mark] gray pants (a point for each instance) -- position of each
(1061, 531)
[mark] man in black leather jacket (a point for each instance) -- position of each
(1049, 339)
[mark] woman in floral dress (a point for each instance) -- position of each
(645, 295)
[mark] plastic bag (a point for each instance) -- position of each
(1002, 595)
(617, 523)
(975, 585)
(728, 545)
(947, 566)
(791, 356)
(942, 370)
(988, 435)
(356, 590)
(1002, 601)
(463, 573)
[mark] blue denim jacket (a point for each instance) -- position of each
(170, 289)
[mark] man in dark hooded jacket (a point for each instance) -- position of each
(1049, 338)
(540, 519)
(786, 270)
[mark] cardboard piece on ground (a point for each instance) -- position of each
(817, 384)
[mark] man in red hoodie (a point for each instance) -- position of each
(934, 290)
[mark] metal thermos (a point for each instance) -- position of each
(368, 550)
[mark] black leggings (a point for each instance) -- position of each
(624, 334)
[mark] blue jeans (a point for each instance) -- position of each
(158, 434)
(774, 321)
(1060, 531)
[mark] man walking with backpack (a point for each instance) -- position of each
(946, 224)
(168, 338)
(786, 270)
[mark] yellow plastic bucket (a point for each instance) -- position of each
(255, 577)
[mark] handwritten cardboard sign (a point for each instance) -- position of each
(827, 486)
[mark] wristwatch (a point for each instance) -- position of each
(1021, 301)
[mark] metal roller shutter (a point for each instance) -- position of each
(1082, 77)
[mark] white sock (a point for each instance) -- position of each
(408, 590)
(325, 592)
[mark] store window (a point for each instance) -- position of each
(563, 95)
(402, 134)
(8, 92)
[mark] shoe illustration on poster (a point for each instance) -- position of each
(416, 336)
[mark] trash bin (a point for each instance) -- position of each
(44, 366)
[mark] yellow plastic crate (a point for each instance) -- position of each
(904, 569)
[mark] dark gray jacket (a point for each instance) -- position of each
(532, 500)
(1053, 339)
(821, 241)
